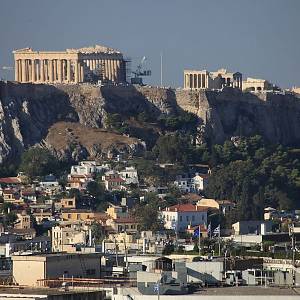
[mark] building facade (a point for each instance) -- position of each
(88, 64)
(205, 80)
(257, 85)
(179, 217)
(31, 270)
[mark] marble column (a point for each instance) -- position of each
(37, 68)
(29, 72)
(23, 70)
(54, 70)
(42, 70)
(19, 70)
(16, 70)
(81, 73)
(50, 68)
(118, 70)
(115, 71)
(26, 71)
(64, 65)
(109, 69)
(59, 71)
(68, 70)
(33, 70)
(46, 70)
(76, 71)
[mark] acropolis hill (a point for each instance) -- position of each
(30, 112)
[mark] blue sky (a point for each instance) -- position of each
(259, 38)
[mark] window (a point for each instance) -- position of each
(193, 218)
(180, 218)
(187, 218)
(70, 202)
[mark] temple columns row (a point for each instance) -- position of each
(55, 70)
(110, 68)
(195, 81)
(67, 71)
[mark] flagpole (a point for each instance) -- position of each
(219, 240)
(199, 242)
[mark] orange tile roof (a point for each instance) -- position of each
(10, 180)
(185, 208)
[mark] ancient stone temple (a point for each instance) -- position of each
(70, 66)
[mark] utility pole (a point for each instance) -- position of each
(225, 266)
(292, 235)
(219, 240)
(116, 250)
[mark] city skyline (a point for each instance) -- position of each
(257, 38)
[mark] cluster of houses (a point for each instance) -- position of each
(47, 218)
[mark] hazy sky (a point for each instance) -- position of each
(260, 38)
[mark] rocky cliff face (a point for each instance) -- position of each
(230, 113)
(29, 114)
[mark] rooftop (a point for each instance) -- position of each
(38, 291)
(249, 290)
(185, 208)
(84, 50)
(10, 180)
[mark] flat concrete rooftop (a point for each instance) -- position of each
(250, 290)
(40, 291)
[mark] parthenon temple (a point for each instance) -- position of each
(70, 66)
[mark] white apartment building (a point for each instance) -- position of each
(130, 175)
(184, 184)
(178, 217)
(89, 167)
(194, 184)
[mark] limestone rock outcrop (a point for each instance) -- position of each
(29, 114)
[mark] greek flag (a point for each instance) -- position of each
(209, 228)
(216, 231)
(197, 232)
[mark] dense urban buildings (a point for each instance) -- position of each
(88, 64)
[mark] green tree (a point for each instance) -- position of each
(173, 149)
(95, 189)
(10, 219)
(38, 162)
(147, 213)
(98, 233)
